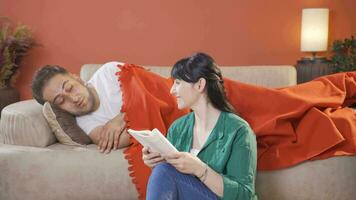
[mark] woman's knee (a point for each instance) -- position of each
(164, 170)
(161, 184)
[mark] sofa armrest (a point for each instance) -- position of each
(23, 123)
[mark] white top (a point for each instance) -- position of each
(107, 86)
(194, 151)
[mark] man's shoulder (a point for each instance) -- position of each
(112, 64)
(106, 71)
(109, 67)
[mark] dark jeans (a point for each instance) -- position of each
(167, 183)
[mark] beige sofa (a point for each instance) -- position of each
(34, 166)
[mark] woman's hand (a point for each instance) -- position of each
(151, 159)
(186, 163)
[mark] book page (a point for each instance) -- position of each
(154, 140)
(162, 145)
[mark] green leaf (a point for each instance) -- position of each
(344, 55)
(14, 45)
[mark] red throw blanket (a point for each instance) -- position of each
(293, 124)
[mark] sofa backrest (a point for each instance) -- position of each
(268, 76)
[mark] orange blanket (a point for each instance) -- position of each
(294, 124)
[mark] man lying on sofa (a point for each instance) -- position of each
(96, 103)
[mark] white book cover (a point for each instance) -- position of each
(154, 140)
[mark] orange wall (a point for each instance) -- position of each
(158, 32)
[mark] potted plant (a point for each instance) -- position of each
(15, 42)
(344, 55)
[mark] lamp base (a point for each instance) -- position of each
(313, 58)
(317, 59)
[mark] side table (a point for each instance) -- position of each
(8, 96)
(308, 70)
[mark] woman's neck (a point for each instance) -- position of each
(206, 115)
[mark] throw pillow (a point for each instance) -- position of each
(64, 126)
(23, 123)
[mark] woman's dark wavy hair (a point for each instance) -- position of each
(201, 65)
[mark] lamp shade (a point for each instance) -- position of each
(315, 24)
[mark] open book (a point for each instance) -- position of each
(154, 140)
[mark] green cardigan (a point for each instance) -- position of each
(230, 150)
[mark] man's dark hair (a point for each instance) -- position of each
(41, 78)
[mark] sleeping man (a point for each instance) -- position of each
(96, 104)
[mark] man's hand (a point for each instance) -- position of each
(110, 134)
(186, 163)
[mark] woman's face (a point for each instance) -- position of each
(187, 94)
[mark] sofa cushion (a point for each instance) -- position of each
(269, 76)
(22, 123)
(64, 126)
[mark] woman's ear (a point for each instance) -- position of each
(201, 84)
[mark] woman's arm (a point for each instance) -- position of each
(187, 163)
(212, 180)
(238, 182)
(240, 171)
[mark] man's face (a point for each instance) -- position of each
(70, 94)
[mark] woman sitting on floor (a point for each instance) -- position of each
(217, 148)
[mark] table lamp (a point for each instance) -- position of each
(314, 32)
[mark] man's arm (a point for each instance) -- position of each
(112, 135)
(95, 134)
